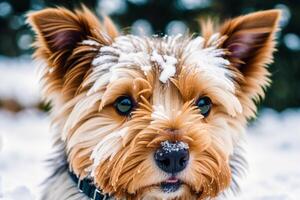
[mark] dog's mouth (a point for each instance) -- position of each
(171, 185)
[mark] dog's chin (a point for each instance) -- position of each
(167, 190)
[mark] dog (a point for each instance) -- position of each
(150, 117)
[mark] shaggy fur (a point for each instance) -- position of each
(88, 65)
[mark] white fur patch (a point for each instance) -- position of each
(137, 53)
(137, 58)
(90, 42)
(159, 113)
(209, 61)
(107, 148)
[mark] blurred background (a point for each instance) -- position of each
(24, 125)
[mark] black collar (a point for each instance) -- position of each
(87, 187)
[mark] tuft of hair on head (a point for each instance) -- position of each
(67, 41)
(250, 42)
(208, 27)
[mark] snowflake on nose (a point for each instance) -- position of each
(170, 147)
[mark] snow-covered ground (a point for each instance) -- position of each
(25, 144)
(18, 81)
(273, 152)
(273, 145)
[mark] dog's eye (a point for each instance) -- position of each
(204, 104)
(124, 105)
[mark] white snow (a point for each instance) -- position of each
(26, 144)
(167, 65)
(18, 81)
(273, 152)
(168, 146)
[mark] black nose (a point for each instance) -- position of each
(172, 157)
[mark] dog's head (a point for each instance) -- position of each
(153, 117)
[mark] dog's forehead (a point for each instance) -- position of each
(169, 54)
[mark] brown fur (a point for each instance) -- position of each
(257, 32)
(249, 44)
(58, 33)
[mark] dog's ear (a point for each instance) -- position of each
(250, 44)
(59, 42)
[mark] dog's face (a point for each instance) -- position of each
(153, 117)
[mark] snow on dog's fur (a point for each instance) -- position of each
(89, 65)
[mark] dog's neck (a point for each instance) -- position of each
(63, 184)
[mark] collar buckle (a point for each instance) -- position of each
(79, 185)
(98, 195)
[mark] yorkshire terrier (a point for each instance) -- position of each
(150, 117)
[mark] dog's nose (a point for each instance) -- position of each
(172, 157)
